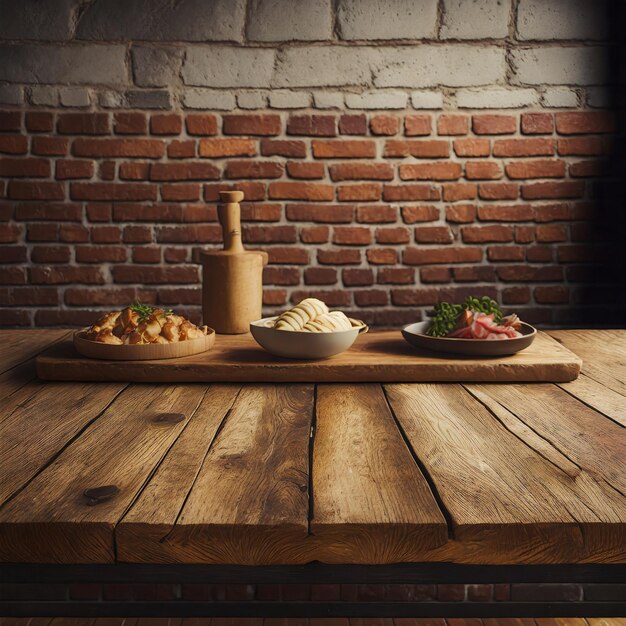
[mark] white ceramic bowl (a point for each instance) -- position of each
(303, 345)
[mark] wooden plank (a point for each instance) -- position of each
(249, 503)
(52, 521)
(38, 420)
(603, 353)
(381, 356)
(507, 502)
(20, 345)
(371, 502)
(153, 515)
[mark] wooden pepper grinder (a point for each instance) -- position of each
(232, 278)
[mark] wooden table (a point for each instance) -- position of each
(268, 474)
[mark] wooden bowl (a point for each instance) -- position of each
(142, 352)
(415, 334)
(303, 345)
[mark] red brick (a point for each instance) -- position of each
(252, 191)
(180, 274)
(482, 234)
(376, 214)
(98, 297)
(414, 296)
(433, 234)
(419, 213)
(553, 190)
(13, 275)
(269, 234)
(130, 124)
(48, 146)
(382, 256)
(483, 170)
(10, 233)
(197, 233)
(280, 147)
(493, 124)
(201, 124)
(137, 234)
(74, 169)
(472, 147)
(552, 295)
(10, 121)
(255, 213)
(453, 192)
(252, 169)
(353, 124)
(461, 213)
(535, 146)
(452, 125)
(32, 296)
(398, 193)
(506, 212)
(113, 191)
(177, 255)
(16, 144)
(106, 234)
(188, 170)
(300, 191)
(396, 235)
(30, 190)
(352, 235)
(312, 125)
(385, 125)
(310, 171)
(83, 124)
(73, 233)
(435, 275)
(264, 125)
(52, 211)
(137, 170)
(395, 276)
(180, 193)
(151, 148)
(539, 254)
(181, 149)
(360, 171)
(524, 234)
(540, 168)
(314, 234)
(39, 122)
(513, 295)
(166, 124)
(320, 276)
(505, 253)
(359, 193)
(217, 148)
(417, 125)
(100, 254)
(498, 191)
(429, 148)
(363, 298)
(13, 317)
(273, 275)
(106, 170)
(353, 277)
(584, 146)
(433, 256)
(342, 256)
(550, 233)
(576, 123)
(326, 213)
(50, 254)
(551, 212)
(273, 297)
(537, 123)
(24, 168)
(530, 273)
(473, 274)
(343, 148)
(591, 168)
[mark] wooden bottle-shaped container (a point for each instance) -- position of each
(232, 278)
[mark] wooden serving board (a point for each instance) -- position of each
(381, 356)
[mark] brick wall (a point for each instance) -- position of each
(392, 153)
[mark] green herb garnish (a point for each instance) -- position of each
(446, 316)
(144, 311)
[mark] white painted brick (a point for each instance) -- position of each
(475, 19)
(74, 97)
(327, 66)
(571, 65)
(328, 99)
(44, 95)
(112, 100)
(209, 99)
(451, 65)
(427, 100)
(158, 20)
(289, 20)
(227, 66)
(11, 94)
(156, 67)
(559, 97)
(563, 19)
(388, 19)
(498, 98)
(252, 100)
(289, 100)
(76, 64)
(33, 19)
(599, 97)
(377, 100)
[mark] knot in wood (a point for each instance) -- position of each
(96, 495)
(168, 418)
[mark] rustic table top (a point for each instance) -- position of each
(290, 473)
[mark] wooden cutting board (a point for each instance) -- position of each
(381, 356)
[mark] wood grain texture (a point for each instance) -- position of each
(20, 345)
(596, 395)
(154, 513)
(508, 503)
(371, 502)
(249, 503)
(51, 521)
(381, 356)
